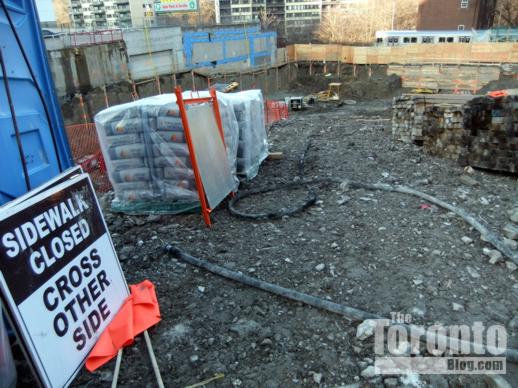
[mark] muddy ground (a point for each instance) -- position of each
(380, 252)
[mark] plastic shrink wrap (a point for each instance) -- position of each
(147, 157)
(253, 145)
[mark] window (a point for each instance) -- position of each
(393, 39)
(442, 39)
(450, 40)
(464, 39)
(461, 27)
(379, 40)
(406, 40)
(427, 39)
(413, 40)
(464, 3)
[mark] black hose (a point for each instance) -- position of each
(36, 85)
(350, 313)
(310, 200)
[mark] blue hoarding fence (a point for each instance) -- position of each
(32, 128)
(260, 46)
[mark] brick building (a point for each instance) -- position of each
(455, 14)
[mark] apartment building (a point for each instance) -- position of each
(455, 14)
(100, 13)
(292, 17)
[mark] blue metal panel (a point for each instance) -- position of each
(224, 36)
(45, 146)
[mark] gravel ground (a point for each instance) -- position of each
(380, 252)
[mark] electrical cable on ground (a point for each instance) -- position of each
(491, 237)
(350, 313)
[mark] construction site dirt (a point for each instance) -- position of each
(381, 252)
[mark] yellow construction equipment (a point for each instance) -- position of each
(331, 94)
(230, 87)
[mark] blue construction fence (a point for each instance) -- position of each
(239, 44)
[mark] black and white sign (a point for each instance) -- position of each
(59, 276)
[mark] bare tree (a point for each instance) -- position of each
(62, 12)
(268, 21)
(359, 24)
(506, 14)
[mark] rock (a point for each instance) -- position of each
(365, 329)
(194, 359)
(320, 267)
(513, 323)
(466, 240)
(468, 181)
(499, 311)
(391, 382)
(411, 380)
(153, 218)
(201, 289)
(496, 381)
(511, 266)
(513, 215)
(317, 377)
(457, 307)
(483, 201)
(438, 381)
(494, 255)
(267, 342)
(511, 243)
(244, 327)
(179, 333)
(511, 231)
(418, 311)
(472, 272)
(125, 252)
(369, 372)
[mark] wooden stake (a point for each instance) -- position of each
(277, 78)
(117, 369)
(153, 360)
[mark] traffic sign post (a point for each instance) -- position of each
(60, 278)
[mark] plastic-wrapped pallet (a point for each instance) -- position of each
(253, 144)
(147, 156)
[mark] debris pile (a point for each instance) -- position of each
(475, 130)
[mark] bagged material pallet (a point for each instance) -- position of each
(253, 145)
(147, 158)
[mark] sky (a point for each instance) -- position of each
(46, 10)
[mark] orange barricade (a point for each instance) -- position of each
(86, 152)
(275, 111)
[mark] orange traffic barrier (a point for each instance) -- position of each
(139, 312)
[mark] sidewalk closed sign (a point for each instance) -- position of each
(59, 276)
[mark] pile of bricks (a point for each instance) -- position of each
(475, 130)
(493, 140)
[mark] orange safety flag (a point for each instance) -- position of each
(139, 312)
(497, 93)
